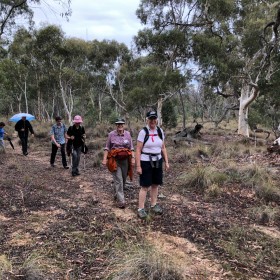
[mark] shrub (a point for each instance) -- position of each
(143, 263)
(200, 178)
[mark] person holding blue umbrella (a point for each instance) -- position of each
(23, 126)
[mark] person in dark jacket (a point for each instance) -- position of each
(76, 135)
(23, 127)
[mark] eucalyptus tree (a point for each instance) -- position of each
(73, 77)
(19, 69)
(150, 84)
(106, 61)
(46, 48)
(223, 41)
(170, 47)
(12, 10)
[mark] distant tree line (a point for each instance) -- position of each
(199, 60)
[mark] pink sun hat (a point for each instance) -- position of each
(77, 119)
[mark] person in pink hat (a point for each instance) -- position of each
(76, 138)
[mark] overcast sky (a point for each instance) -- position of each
(94, 19)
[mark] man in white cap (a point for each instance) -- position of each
(76, 134)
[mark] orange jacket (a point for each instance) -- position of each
(112, 162)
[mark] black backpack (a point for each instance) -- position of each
(159, 133)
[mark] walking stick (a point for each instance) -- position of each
(11, 143)
(84, 151)
(84, 161)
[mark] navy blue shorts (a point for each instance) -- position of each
(151, 176)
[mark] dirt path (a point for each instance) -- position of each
(42, 204)
(94, 186)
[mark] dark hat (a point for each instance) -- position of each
(2, 124)
(119, 121)
(58, 118)
(152, 114)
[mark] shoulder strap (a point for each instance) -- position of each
(159, 132)
(147, 134)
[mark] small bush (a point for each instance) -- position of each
(213, 191)
(200, 178)
(5, 267)
(143, 263)
(269, 192)
(32, 268)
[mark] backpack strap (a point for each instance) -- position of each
(146, 135)
(159, 133)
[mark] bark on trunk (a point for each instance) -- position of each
(249, 93)
(159, 110)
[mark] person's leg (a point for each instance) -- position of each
(156, 182)
(26, 143)
(2, 145)
(63, 155)
(154, 195)
(142, 197)
(118, 184)
(53, 154)
(74, 161)
(145, 181)
(124, 168)
(23, 140)
(79, 152)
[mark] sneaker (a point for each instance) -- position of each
(156, 209)
(66, 167)
(142, 214)
(121, 205)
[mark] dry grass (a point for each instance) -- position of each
(5, 267)
(142, 262)
(199, 178)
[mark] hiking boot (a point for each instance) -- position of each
(121, 205)
(156, 209)
(52, 165)
(66, 167)
(142, 214)
(78, 173)
(74, 174)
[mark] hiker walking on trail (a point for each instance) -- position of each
(23, 126)
(76, 135)
(119, 158)
(58, 139)
(2, 134)
(150, 153)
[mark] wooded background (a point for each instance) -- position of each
(202, 60)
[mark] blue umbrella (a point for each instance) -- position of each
(18, 117)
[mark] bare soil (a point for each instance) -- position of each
(55, 226)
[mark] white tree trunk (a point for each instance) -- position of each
(243, 127)
(25, 96)
(249, 93)
(159, 111)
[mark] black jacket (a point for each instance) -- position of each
(27, 127)
(78, 134)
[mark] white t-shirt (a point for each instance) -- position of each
(153, 144)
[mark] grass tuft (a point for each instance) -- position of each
(199, 178)
(143, 263)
